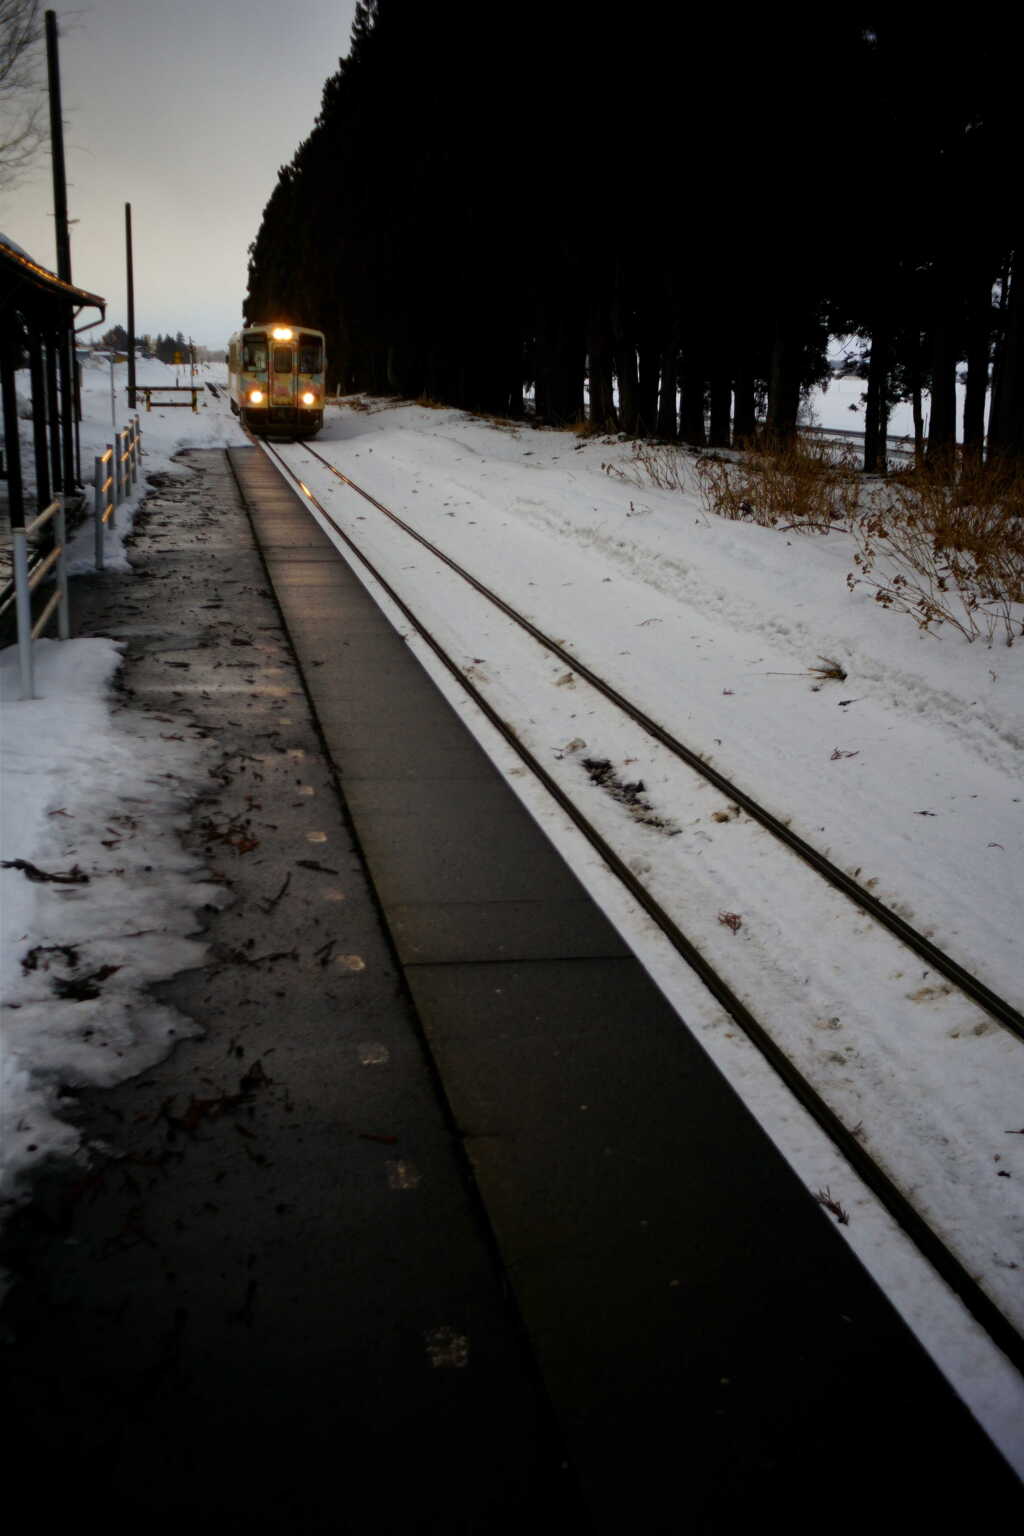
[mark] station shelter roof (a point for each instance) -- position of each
(25, 285)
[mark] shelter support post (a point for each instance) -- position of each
(23, 609)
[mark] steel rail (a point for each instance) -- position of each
(997, 1007)
(956, 1275)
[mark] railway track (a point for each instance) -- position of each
(955, 1268)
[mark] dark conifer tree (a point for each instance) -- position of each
(651, 211)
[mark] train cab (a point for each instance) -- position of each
(276, 376)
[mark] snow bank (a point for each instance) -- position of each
(99, 798)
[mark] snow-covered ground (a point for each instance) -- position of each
(905, 773)
(88, 786)
(908, 771)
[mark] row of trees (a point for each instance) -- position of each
(168, 347)
(660, 219)
(165, 348)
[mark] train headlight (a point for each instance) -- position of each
(309, 398)
(255, 397)
(283, 333)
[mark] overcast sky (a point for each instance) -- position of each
(186, 109)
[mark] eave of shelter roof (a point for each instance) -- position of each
(18, 271)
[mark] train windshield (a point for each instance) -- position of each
(282, 359)
(254, 354)
(311, 354)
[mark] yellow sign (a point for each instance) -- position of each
(178, 357)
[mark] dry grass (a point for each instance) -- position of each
(660, 464)
(944, 547)
(511, 424)
(826, 1198)
(947, 549)
(811, 486)
(830, 671)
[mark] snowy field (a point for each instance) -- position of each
(908, 772)
(839, 405)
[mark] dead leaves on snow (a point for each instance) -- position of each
(74, 875)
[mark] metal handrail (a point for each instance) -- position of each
(45, 616)
(43, 517)
(114, 487)
(115, 475)
(40, 570)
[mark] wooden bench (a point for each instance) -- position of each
(149, 390)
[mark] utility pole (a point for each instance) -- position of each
(131, 306)
(60, 185)
(60, 213)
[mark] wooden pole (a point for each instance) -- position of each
(131, 305)
(60, 185)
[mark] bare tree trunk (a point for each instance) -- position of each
(566, 400)
(691, 416)
(783, 383)
(1006, 428)
(915, 398)
(876, 415)
(560, 360)
(668, 422)
(599, 352)
(978, 342)
(629, 389)
(721, 404)
(1000, 328)
(743, 423)
(942, 421)
(647, 392)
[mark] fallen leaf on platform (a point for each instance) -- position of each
(255, 1078)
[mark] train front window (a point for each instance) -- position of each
(311, 355)
(282, 359)
(254, 354)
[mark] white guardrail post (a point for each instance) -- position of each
(24, 585)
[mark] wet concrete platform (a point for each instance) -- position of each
(490, 1246)
(271, 1303)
